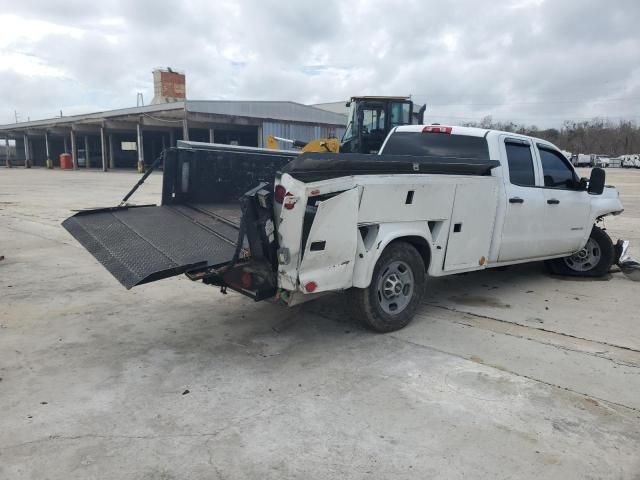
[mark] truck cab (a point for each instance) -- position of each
(544, 209)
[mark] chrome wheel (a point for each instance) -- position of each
(395, 287)
(585, 259)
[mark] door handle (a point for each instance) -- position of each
(553, 201)
(516, 200)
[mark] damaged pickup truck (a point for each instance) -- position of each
(435, 201)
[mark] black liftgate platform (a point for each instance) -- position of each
(195, 227)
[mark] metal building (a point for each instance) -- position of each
(131, 137)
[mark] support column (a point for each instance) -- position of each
(140, 149)
(185, 129)
(260, 142)
(49, 162)
(66, 146)
(172, 138)
(8, 155)
(27, 152)
(112, 156)
(103, 145)
(74, 150)
(87, 158)
(211, 136)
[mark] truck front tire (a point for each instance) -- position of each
(593, 260)
(397, 285)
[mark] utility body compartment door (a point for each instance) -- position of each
(471, 226)
(330, 249)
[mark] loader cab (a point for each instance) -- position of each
(370, 119)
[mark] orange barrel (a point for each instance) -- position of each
(66, 162)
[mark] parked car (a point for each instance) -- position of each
(631, 161)
(583, 160)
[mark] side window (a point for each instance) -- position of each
(373, 119)
(400, 113)
(557, 173)
(520, 164)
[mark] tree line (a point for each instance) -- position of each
(599, 136)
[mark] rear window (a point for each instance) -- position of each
(437, 144)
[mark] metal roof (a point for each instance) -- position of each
(275, 110)
(66, 120)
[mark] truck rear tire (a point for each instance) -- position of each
(397, 285)
(593, 260)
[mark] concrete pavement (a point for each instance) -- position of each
(503, 374)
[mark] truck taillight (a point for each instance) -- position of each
(436, 129)
(245, 280)
(279, 193)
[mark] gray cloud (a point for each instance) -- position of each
(531, 61)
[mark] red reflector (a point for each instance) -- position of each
(436, 129)
(279, 193)
(290, 201)
(246, 280)
(311, 287)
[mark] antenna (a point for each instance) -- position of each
(139, 100)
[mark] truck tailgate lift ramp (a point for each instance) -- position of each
(198, 224)
(143, 244)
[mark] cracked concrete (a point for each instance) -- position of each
(503, 374)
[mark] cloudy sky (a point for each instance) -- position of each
(530, 61)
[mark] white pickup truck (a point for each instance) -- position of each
(378, 233)
(436, 200)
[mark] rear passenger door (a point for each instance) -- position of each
(566, 207)
(523, 229)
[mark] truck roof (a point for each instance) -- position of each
(470, 132)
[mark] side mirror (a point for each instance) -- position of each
(583, 183)
(596, 181)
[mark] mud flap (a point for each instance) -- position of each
(143, 244)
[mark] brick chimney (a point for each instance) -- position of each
(168, 86)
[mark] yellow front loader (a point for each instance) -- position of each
(369, 120)
(325, 145)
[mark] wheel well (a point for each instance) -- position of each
(421, 245)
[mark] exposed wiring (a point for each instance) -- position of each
(161, 119)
